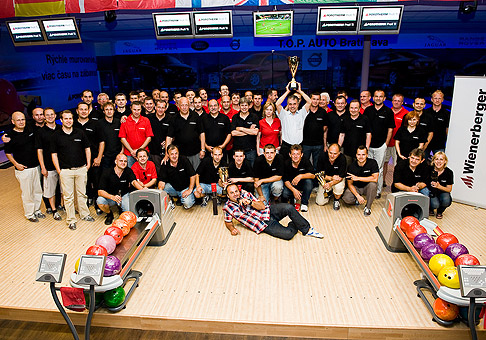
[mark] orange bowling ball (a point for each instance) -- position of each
(444, 310)
(129, 217)
(414, 231)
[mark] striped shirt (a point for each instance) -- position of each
(247, 215)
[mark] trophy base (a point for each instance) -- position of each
(293, 86)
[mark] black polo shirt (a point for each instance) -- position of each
(70, 148)
(119, 115)
(114, 185)
(445, 178)
(92, 130)
(261, 169)
(245, 170)
(179, 176)
(404, 175)
(185, 133)
(43, 139)
(337, 168)
(380, 121)
(22, 147)
(314, 127)
(440, 124)
(304, 167)
(355, 131)
(410, 140)
(207, 172)
(259, 113)
(368, 169)
(248, 142)
(172, 110)
(216, 128)
(110, 132)
(160, 128)
(334, 126)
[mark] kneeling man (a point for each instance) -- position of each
(258, 216)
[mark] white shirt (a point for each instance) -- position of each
(293, 125)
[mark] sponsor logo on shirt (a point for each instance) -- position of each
(181, 170)
(165, 124)
(414, 137)
(359, 126)
(220, 123)
(381, 117)
(123, 181)
(116, 129)
(365, 171)
(77, 140)
(141, 128)
(192, 123)
(89, 129)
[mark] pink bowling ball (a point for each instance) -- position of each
(108, 242)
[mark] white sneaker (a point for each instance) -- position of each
(312, 232)
(304, 208)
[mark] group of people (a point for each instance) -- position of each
(271, 153)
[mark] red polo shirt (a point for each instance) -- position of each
(270, 133)
(135, 132)
(398, 122)
(144, 175)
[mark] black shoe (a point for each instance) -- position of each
(378, 196)
(178, 202)
(109, 219)
(98, 211)
(49, 211)
(90, 202)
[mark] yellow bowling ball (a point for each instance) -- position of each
(449, 277)
(76, 265)
(439, 261)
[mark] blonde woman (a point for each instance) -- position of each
(440, 187)
(270, 129)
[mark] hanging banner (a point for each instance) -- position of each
(467, 156)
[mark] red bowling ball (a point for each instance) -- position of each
(116, 232)
(467, 259)
(97, 250)
(445, 240)
(408, 222)
(414, 231)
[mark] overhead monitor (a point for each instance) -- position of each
(217, 24)
(337, 20)
(61, 30)
(173, 25)
(380, 20)
(273, 24)
(26, 33)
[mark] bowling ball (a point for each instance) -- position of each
(121, 224)
(407, 222)
(455, 250)
(125, 230)
(445, 240)
(108, 242)
(112, 266)
(97, 250)
(414, 231)
(76, 265)
(116, 233)
(439, 261)
(449, 277)
(130, 217)
(464, 313)
(114, 297)
(467, 259)
(422, 240)
(444, 310)
(98, 298)
(430, 250)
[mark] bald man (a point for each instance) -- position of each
(21, 152)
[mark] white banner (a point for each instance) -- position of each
(466, 153)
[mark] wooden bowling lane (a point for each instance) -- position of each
(205, 281)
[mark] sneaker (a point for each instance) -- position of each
(205, 201)
(33, 219)
(99, 211)
(72, 226)
(171, 205)
(61, 208)
(304, 208)
(336, 205)
(57, 216)
(356, 202)
(88, 218)
(38, 214)
(378, 196)
(109, 219)
(312, 232)
(49, 211)
(367, 211)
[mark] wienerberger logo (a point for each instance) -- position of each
(470, 161)
(469, 181)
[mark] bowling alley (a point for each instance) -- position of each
(256, 169)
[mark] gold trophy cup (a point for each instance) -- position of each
(293, 66)
(223, 176)
(321, 178)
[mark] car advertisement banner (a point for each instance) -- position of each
(464, 149)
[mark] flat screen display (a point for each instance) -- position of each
(173, 25)
(337, 20)
(62, 30)
(380, 20)
(216, 24)
(273, 24)
(26, 32)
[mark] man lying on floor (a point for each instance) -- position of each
(258, 216)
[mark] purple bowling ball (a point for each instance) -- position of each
(112, 266)
(431, 250)
(422, 240)
(455, 250)
(108, 242)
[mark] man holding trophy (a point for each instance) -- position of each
(331, 168)
(292, 119)
(212, 170)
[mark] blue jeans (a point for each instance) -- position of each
(304, 185)
(208, 190)
(313, 150)
(125, 204)
(276, 188)
(187, 202)
(440, 202)
(250, 156)
(280, 211)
